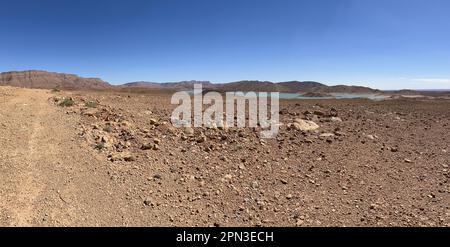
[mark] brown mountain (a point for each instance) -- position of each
(302, 86)
(261, 86)
(347, 89)
(257, 86)
(50, 80)
(246, 86)
(292, 87)
(182, 85)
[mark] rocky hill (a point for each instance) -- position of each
(50, 80)
(182, 85)
(258, 86)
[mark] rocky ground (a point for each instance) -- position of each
(109, 158)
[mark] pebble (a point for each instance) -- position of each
(336, 119)
(371, 137)
(189, 131)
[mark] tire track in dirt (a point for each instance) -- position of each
(47, 178)
(30, 187)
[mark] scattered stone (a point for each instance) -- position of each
(121, 156)
(308, 140)
(189, 131)
(336, 119)
(106, 141)
(201, 139)
(147, 146)
(126, 124)
(155, 146)
(255, 185)
(299, 222)
(153, 121)
(319, 113)
(327, 135)
(339, 133)
(129, 158)
(148, 202)
(304, 125)
(371, 137)
(91, 112)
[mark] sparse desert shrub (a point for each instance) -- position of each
(108, 128)
(55, 90)
(91, 104)
(67, 102)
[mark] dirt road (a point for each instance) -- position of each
(46, 178)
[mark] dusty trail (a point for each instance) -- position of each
(46, 177)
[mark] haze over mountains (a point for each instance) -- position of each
(50, 80)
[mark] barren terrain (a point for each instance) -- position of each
(114, 159)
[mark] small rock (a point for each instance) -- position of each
(148, 202)
(319, 113)
(153, 121)
(189, 131)
(126, 124)
(255, 185)
(155, 146)
(201, 139)
(299, 222)
(371, 137)
(339, 133)
(335, 119)
(327, 135)
(304, 125)
(128, 158)
(147, 146)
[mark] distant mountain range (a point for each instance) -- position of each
(50, 80)
(258, 86)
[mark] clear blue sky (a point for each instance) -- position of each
(385, 44)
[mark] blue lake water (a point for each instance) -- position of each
(335, 96)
